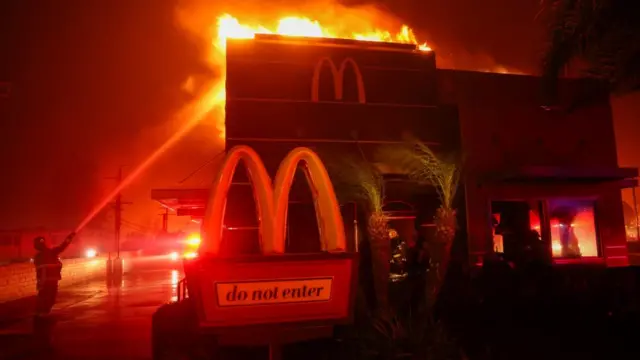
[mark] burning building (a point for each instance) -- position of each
(527, 168)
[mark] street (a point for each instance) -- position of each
(94, 321)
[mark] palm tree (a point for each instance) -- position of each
(358, 181)
(422, 165)
(604, 34)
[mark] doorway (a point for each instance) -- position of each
(515, 224)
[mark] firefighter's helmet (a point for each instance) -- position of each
(39, 243)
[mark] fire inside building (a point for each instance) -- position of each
(548, 170)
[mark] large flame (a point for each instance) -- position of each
(229, 27)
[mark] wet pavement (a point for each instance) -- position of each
(94, 320)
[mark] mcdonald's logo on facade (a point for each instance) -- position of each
(272, 200)
(338, 79)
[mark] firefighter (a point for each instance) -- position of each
(48, 273)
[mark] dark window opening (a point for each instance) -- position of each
(516, 228)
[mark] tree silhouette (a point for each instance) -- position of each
(604, 34)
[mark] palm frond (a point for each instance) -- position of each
(422, 165)
(356, 180)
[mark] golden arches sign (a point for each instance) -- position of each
(338, 79)
(272, 201)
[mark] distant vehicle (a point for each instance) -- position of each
(176, 246)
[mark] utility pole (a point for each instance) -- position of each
(115, 268)
(165, 220)
(118, 216)
(118, 213)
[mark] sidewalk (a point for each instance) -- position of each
(92, 321)
(15, 314)
(16, 326)
(15, 311)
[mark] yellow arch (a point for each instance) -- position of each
(359, 82)
(315, 80)
(338, 79)
(272, 206)
(212, 224)
(330, 224)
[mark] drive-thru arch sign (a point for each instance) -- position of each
(273, 287)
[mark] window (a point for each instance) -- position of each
(573, 228)
(498, 240)
(514, 223)
(630, 211)
(565, 228)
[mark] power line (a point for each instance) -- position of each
(132, 223)
(136, 227)
(207, 163)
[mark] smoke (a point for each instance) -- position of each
(199, 16)
(96, 87)
(465, 60)
(199, 19)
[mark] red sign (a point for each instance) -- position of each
(276, 289)
(266, 292)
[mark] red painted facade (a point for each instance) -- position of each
(568, 152)
(284, 94)
(503, 124)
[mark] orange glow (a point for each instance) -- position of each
(230, 28)
(346, 25)
(211, 97)
(192, 115)
(272, 201)
(534, 220)
(584, 230)
(193, 240)
(190, 255)
(498, 240)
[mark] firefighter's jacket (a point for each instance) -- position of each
(48, 264)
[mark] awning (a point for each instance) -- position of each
(626, 176)
(181, 200)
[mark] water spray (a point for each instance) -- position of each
(213, 98)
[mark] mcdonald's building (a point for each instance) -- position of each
(552, 170)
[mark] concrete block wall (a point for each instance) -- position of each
(19, 280)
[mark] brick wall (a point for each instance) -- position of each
(19, 280)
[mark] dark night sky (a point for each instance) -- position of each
(97, 83)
